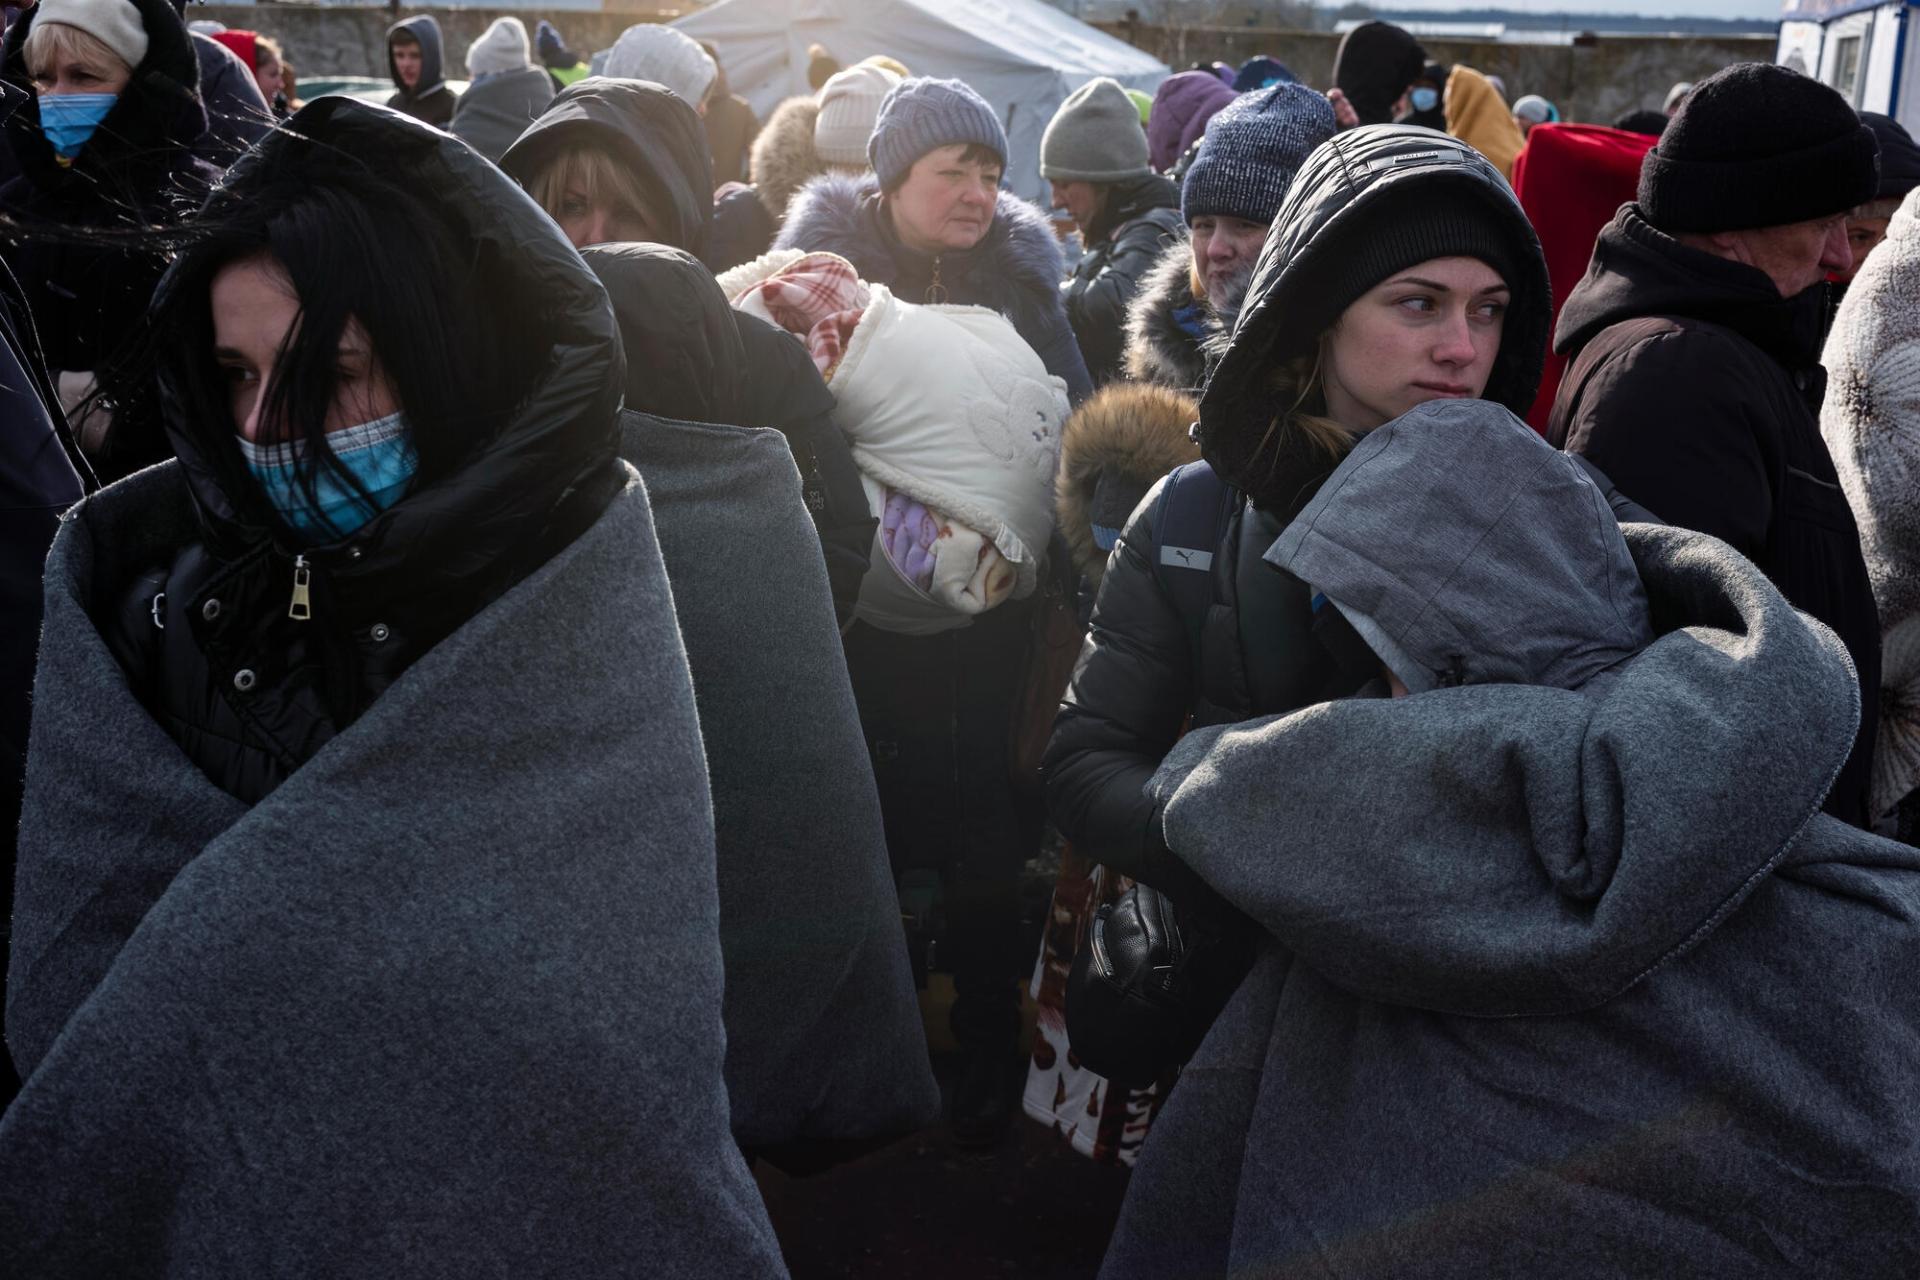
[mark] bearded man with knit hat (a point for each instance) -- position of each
(1695, 340)
(1094, 155)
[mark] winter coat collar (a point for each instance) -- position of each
(1638, 270)
(1167, 327)
(1119, 442)
(646, 127)
(1129, 200)
(144, 140)
(783, 156)
(427, 563)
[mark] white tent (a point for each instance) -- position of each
(1023, 56)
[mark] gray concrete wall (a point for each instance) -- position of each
(1596, 81)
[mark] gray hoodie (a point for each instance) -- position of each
(1466, 550)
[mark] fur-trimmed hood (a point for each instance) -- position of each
(1111, 452)
(1161, 349)
(783, 159)
(1015, 269)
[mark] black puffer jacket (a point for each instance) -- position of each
(1697, 387)
(207, 641)
(137, 169)
(1141, 219)
(647, 130)
(1262, 648)
(692, 357)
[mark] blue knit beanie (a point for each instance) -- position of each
(922, 115)
(1252, 150)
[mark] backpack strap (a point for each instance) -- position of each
(1196, 506)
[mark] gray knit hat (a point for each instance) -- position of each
(1251, 151)
(922, 115)
(1095, 136)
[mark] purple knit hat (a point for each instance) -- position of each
(1180, 113)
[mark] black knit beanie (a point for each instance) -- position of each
(1899, 156)
(1390, 235)
(1758, 145)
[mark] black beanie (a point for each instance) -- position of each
(1758, 146)
(1373, 66)
(1899, 156)
(1401, 230)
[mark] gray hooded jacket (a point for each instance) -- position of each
(1569, 983)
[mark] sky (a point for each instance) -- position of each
(1764, 9)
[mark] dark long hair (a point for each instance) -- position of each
(357, 242)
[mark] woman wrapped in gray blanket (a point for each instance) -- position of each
(367, 920)
(1567, 973)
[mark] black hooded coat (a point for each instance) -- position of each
(649, 131)
(430, 99)
(1263, 649)
(693, 358)
(138, 169)
(1697, 387)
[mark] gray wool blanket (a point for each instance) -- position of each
(447, 1003)
(824, 1041)
(1561, 984)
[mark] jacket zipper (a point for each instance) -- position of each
(936, 292)
(302, 607)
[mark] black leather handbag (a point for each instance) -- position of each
(1149, 981)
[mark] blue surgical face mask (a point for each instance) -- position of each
(1425, 99)
(379, 454)
(69, 119)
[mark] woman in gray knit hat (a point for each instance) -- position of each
(933, 225)
(1095, 156)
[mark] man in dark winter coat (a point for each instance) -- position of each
(1374, 65)
(1095, 155)
(416, 61)
(907, 229)
(1695, 339)
(134, 166)
(1229, 199)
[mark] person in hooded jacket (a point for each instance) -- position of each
(1182, 106)
(415, 61)
(104, 140)
(1565, 972)
(264, 62)
(1189, 300)
(1873, 360)
(1095, 157)
(331, 627)
(934, 226)
(1358, 311)
(1479, 116)
(1694, 343)
(1423, 99)
(1373, 67)
(563, 65)
(692, 357)
(507, 93)
(821, 133)
(239, 110)
(618, 161)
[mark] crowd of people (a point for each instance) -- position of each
(505, 589)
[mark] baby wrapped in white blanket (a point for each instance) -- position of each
(953, 421)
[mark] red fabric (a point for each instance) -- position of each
(242, 43)
(819, 297)
(1571, 180)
